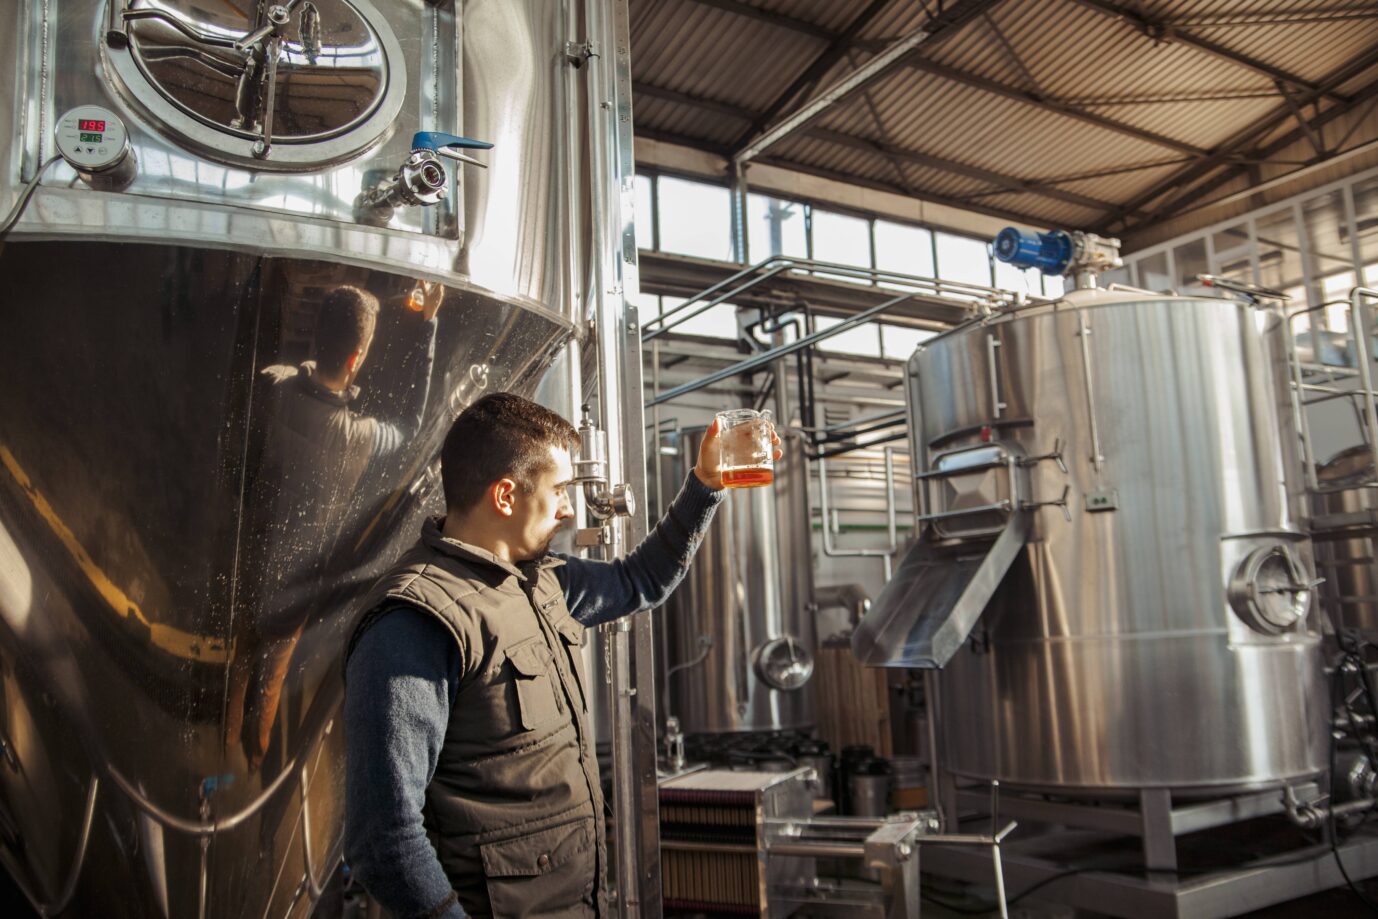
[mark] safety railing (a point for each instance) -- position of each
(753, 276)
(1330, 366)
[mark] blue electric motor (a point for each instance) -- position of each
(1049, 252)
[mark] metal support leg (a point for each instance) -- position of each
(1160, 846)
(903, 881)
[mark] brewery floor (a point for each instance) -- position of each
(1332, 904)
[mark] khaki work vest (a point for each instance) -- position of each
(515, 809)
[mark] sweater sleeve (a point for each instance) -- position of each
(391, 436)
(599, 591)
(401, 679)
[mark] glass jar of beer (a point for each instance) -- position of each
(746, 457)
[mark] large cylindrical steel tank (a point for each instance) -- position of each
(740, 628)
(191, 501)
(1153, 630)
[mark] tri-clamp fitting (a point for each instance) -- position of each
(422, 179)
(591, 471)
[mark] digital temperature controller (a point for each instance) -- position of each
(93, 140)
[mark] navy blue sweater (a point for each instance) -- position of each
(403, 676)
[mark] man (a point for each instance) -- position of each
(466, 711)
(316, 450)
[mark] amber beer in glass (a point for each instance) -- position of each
(746, 457)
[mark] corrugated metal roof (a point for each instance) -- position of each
(1119, 100)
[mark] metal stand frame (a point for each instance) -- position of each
(1154, 820)
(1209, 896)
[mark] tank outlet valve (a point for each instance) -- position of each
(1082, 255)
(422, 179)
(94, 142)
(591, 471)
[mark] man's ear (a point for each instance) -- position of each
(504, 493)
(353, 360)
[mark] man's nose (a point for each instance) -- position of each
(565, 510)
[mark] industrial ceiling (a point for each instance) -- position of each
(1111, 115)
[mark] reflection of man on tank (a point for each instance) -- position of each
(315, 452)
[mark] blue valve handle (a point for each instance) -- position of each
(434, 140)
(1048, 252)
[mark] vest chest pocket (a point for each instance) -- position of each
(536, 697)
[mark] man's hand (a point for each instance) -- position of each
(707, 467)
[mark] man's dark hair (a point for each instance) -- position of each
(344, 325)
(500, 436)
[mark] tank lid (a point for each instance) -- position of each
(293, 73)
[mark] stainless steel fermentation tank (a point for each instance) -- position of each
(1110, 573)
(179, 564)
(740, 627)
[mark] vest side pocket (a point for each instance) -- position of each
(549, 872)
(536, 699)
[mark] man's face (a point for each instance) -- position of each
(539, 514)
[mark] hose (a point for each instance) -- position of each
(18, 210)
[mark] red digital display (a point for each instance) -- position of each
(87, 124)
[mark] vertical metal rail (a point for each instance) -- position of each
(1308, 457)
(618, 348)
(739, 213)
(1360, 326)
(1084, 333)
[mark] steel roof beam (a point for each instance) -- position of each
(1004, 213)
(1211, 183)
(724, 151)
(1234, 147)
(1053, 105)
(1300, 116)
(681, 98)
(1159, 30)
(886, 62)
(813, 73)
(1006, 183)
(802, 26)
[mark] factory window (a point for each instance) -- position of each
(694, 218)
(1054, 285)
(1232, 253)
(776, 226)
(863, 339)
(1190, 260)
(1279, 253)
(963, 259)
(648, 305)
(841, 239)
(717, 322)
(1329, 258)
(1113, 276)
(645, 212)
(1154, 274)
(1366, 225)
(898, 342)
(903, 249)
(1027, 281)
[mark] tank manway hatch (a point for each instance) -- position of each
(291, 85)
(978, 525)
